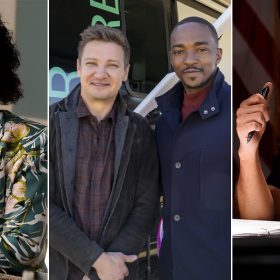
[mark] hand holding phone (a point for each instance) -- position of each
(264, 93)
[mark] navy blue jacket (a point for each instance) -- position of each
(195, 160)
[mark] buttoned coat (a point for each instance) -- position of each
(133, 202)
(195, 161)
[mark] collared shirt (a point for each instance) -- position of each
(94, 172)
(94, 169)
(192, 102)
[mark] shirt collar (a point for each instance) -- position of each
(173, 98)
(82, 111)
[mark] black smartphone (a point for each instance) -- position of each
(264, 92)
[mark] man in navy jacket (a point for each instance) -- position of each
(194, 144)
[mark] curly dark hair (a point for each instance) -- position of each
(10, 84)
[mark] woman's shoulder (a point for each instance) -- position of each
(16, 129)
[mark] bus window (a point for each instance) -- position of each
(145, 23)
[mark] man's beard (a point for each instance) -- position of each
(203, 83)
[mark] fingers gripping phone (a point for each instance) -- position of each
(264, 93)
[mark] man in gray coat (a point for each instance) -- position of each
(103, 169)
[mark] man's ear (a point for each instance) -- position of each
(78, 66)
(219, 55)
(126, 72)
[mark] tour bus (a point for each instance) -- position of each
(147, 25)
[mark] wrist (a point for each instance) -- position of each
(100, 261)
(248, 154)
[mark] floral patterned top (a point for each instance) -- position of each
(23, 194)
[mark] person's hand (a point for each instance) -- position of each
(111, 265)
(252, 115)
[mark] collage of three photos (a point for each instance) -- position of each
(140, 139)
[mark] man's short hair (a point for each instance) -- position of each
(9, 81)
(201, 21)
(106, 34)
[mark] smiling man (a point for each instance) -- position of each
(103, 169)
(194, 144)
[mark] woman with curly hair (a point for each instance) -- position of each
(23, 174)
(10, 83)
